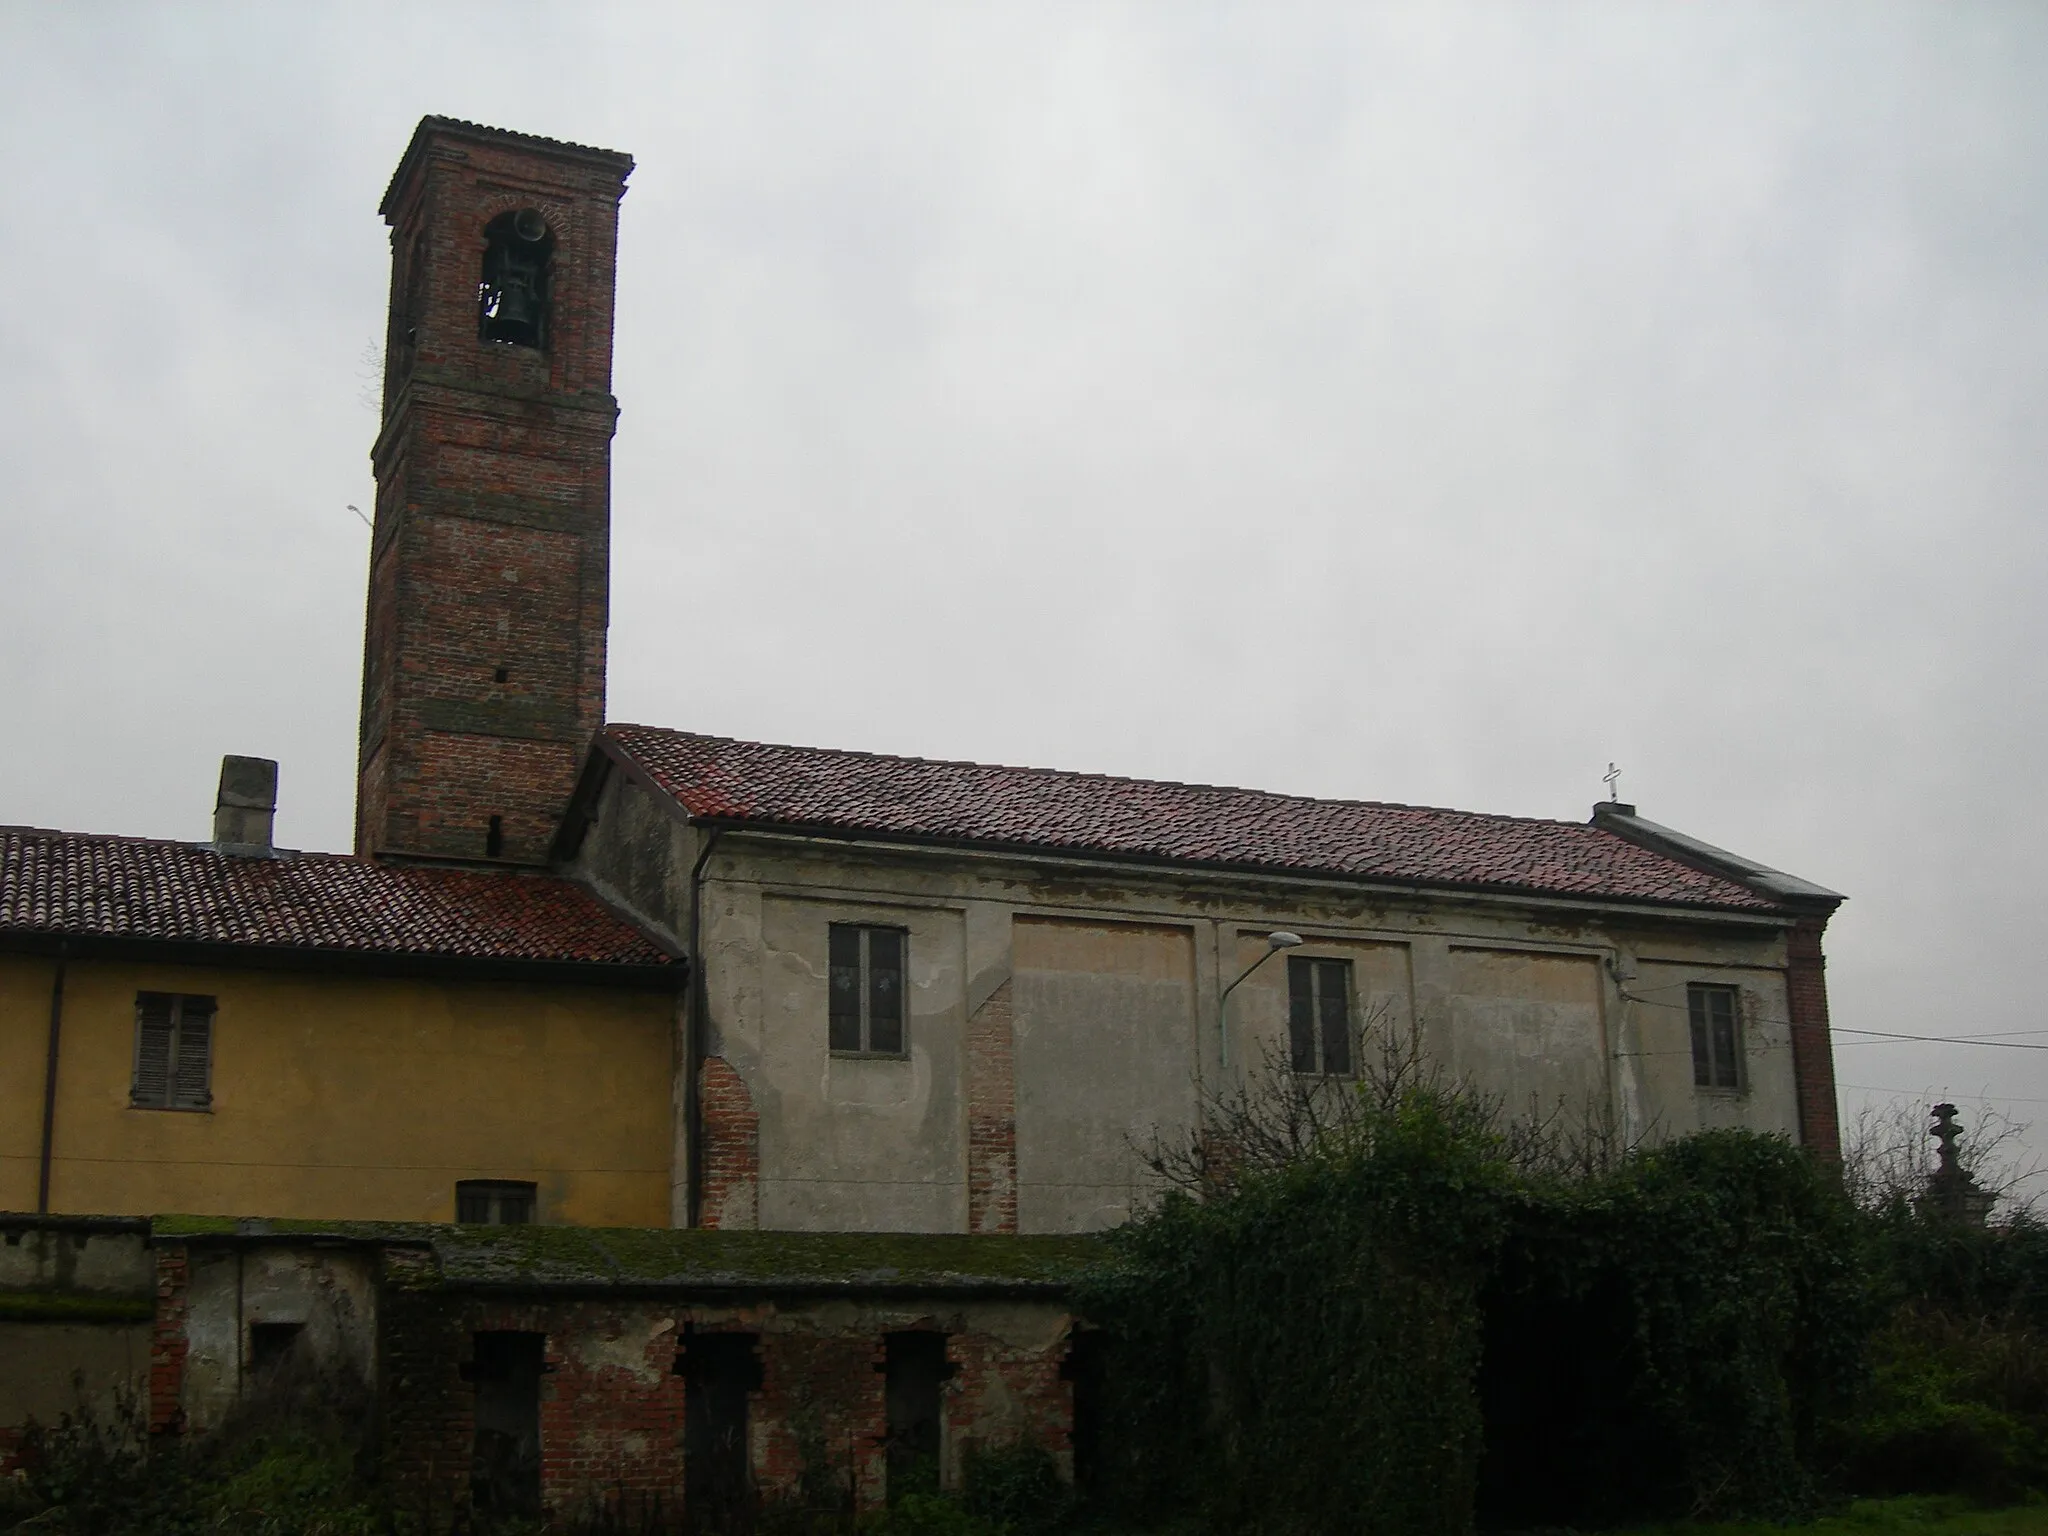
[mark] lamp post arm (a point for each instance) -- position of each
(1223, 997)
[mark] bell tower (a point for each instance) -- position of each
(484, 648)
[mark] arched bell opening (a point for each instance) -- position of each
(512, 296)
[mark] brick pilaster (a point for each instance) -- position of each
(731, 1152)
(168, 1344)
(992, 1116)
(1813, 1048)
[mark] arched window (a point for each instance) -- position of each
(512, 298)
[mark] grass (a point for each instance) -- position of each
(1916, 1516)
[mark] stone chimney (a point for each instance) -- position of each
(246, 807)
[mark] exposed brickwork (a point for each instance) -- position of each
(1813, 1046)
(492, 544)
(992, 1116)
(731, 1151)
(1004, 1392)
(819, 1420)
(168, 1345)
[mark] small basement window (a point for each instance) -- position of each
(1716, 1037)
(867, 990)
(173, 1051)
(495, 1202)
(271, 1348)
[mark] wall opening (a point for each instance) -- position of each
(1084, 1367)
(915, 1369)
(494, 838)
(719, 1370)
(512, 295)
(273, 1349)
(504, 1471)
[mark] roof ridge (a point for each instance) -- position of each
(1109, 778)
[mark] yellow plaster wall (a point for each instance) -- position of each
(345, 1097)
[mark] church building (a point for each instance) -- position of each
(578, 973)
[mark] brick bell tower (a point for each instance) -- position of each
(484, 649)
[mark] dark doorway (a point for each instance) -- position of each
(504, 1474)
(718, 1370)
(915, 1370)
(1087, 1357)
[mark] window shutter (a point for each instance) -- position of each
(153, 1026)
(1702, 1051)
(192, 1072)
(1301, 1014)
(885, 991)
(1334, 1007)
(845, 1003)
(1725, 1073)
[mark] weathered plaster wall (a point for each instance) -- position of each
(74, 1328)
(1064, 1015)
(346, 1096)
(329, 1293)
(1104, 1056)
(847, 1143)
(24, 1038)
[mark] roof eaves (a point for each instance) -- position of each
(644, 975)
(1775, 884)
(1224, 868)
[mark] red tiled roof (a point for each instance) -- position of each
(72, 884)
(748, 781)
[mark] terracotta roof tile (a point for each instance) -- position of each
(67, 883)
(1093, 814)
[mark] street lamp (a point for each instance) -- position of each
(1275, 942)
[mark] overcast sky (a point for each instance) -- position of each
(1427, 404)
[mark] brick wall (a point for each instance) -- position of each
(167, 1345)
(1813, 1047)
(731, 1149)
(484, 652)
(992, 1116)
(818, 1424)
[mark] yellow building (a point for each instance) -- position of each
(239, 1031)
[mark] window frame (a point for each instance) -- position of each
(497, 1191)
(866, 1050)
(1710, 1073)
(181, 1007)
(1317, 969)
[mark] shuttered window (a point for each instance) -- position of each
(1716, 1037)
(173, 1051)
(866, 1006)
(1319, 1015)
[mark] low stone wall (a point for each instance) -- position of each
(555, 1370)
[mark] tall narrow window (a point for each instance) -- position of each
(1319, 1015)
(173, 1052)
(867, 990)
(512, 295)
(1716, 1037)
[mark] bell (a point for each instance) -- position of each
(515, 304)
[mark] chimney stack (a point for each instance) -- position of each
(246, 807)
